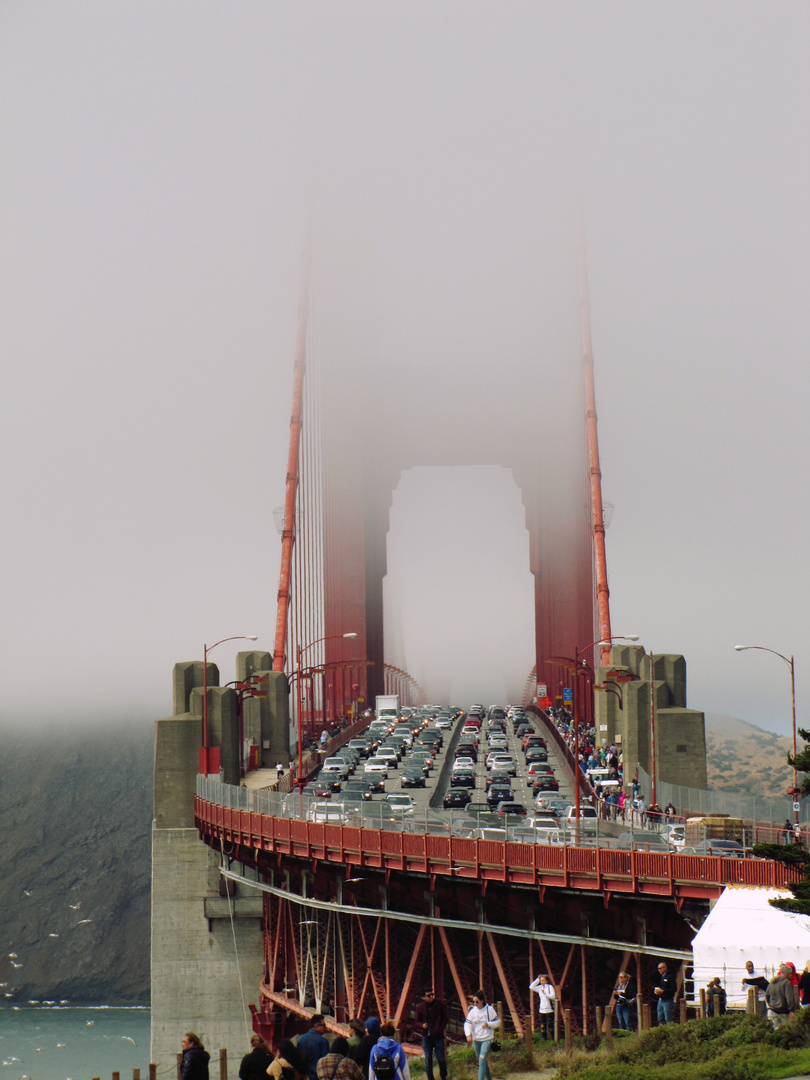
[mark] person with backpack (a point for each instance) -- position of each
(388, 1060)
(781, 997)
(479, 1027)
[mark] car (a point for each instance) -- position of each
(498, 742)
(443, 722)
(462, 764)
(728, 849)
(531, 738)
(641, 840)
(535, 768)
(424, 756)
(498, 793)
(676, 835)
(337, 765)
(545, 782)
(360, 788)
(327, 814)
(465, 778)
(588, 819)
(502, 763)
(331, 777)
(400, 804)
(511, 809)
(478, 807)
(318, 789)
(378, 766)
(497, 776)
(536, 753)
(412, 777)
(362, 746)
(389, 755)
(457, 796)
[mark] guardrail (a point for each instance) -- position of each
(237, 817)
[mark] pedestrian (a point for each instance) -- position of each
(788, 830)
(255, 1064)
(625, 997)
(641, 807)
(431, 1020)
(194, 1065)
(337, 1065)
(358, 1029)
(545, 991)
(670, 810)
(288, 1063)
(479, 1027)
(715, 998)
(313, 1045)
(781, 997)
(804, 985)
(753, 979)
(665, 990)
(388, 1060)
(279, 770)
(367, 1043)
(324, 737)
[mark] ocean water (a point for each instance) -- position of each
(73, 1044)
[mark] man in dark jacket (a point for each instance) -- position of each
(431, 1021)
(665, 990)
(313, 1045)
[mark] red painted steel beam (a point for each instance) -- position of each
(296, 420)
(594, 471)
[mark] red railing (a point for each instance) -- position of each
(589, 869)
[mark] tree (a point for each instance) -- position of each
(793, 855)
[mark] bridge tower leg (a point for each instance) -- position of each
(197, 967)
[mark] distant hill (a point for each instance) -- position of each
(76, 811)
(743, 757)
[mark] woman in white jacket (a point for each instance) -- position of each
(479, 1027)
(545, 990)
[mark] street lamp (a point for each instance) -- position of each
(209, 755)
(789, 661)
(300, 652)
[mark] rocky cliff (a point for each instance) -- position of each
(76, 810)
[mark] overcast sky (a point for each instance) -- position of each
(159, 166)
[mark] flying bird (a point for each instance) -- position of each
(15, 965)
(90, 1023)
(27, 892)
(59, 1046)
(75, 906)
(83, 921)
(12, 956)
(53, 935)
(126, 1038)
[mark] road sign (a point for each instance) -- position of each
(568, 693)
(542, 690)
(797, 806)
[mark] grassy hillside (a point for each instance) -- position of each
(742, 757)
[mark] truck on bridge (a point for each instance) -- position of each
(387, 707)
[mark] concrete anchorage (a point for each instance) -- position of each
(207, 949)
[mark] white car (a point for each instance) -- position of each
(327, 814)
(443, 722)
(378, 766)
(400, 803)
(462, 764)
(498, 742)
(502, 763)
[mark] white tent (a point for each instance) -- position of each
(743, 926)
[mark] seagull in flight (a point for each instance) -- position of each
(75, 907)
(27, 892)
(126, 1038)
(83, 921)
(53, 935)
(15, 965)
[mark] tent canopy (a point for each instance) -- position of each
(743, 926)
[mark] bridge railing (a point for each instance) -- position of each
(257, 820)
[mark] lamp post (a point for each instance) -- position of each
(300, 652)
(794, 791)
(209, 755)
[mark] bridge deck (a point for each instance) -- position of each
(541, 866)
